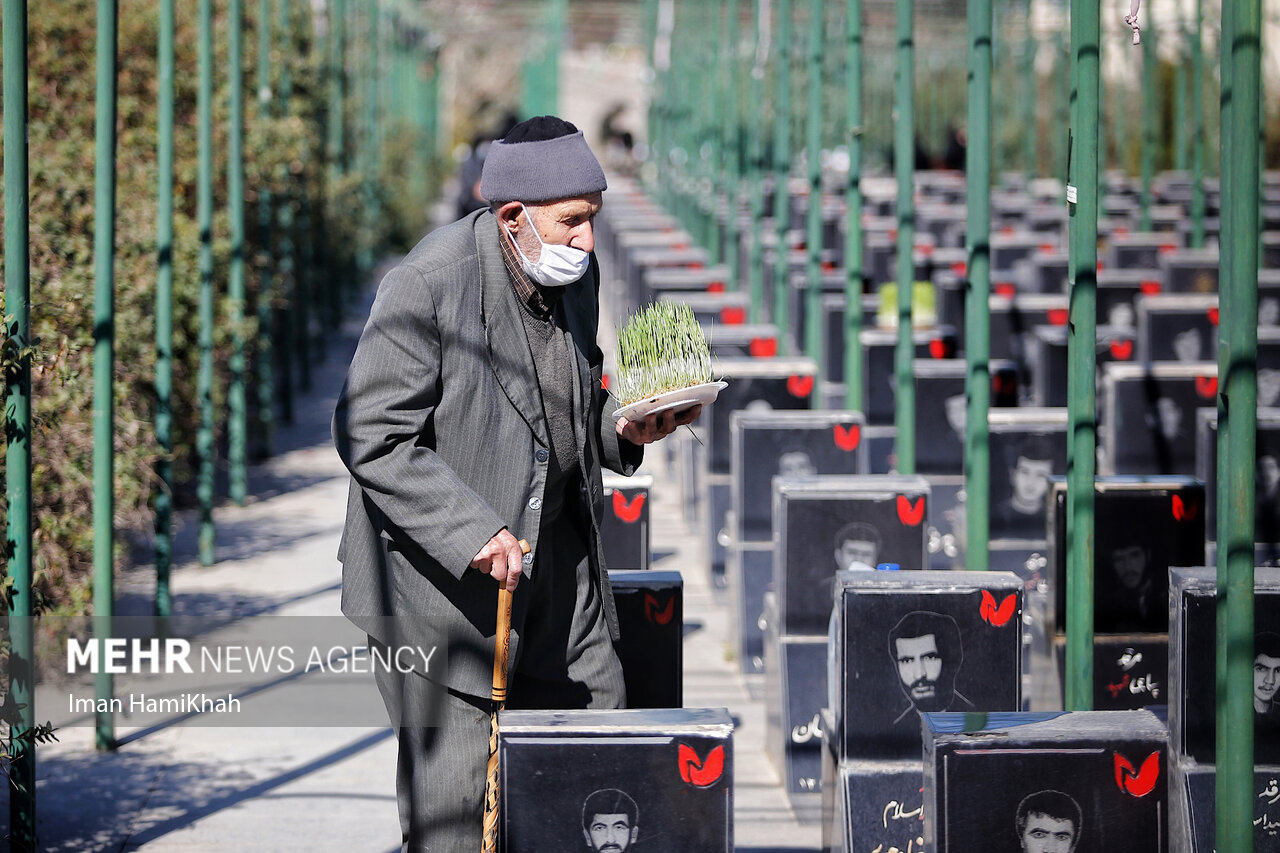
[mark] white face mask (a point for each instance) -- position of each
(556, 265)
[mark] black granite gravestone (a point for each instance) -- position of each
(624, 530)
(833, 331)
(909, 642)
(878, 353)
(1192, 664)
(741, 340)
(1014, 316)
(878, 805)
(1140, 250)
(941, 413)
(651, 627)
(1005, 783)
(795, 690)
(827, 524)
(669, 772)
(1266, 484)
(1195, 831)
(718, 535)
(1129, 671)
(882, 457)
(1149, 423)
(750, 568)
(1181, 327)
(1142, 526)
(1047, 359)
(795, 444)
(1028, 446)
(1191, 270)
(728, 308)
(1118, 292)
(755, 384)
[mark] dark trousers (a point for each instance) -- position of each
(566, 660)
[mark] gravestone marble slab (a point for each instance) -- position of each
(1193, 827)
(878, 805)
(795, 691)
(624, 530)
(651, 624)
(1267, 483)
(750, 567)
(795, 444)
(824, 524)
(755, 384)
(910, 642)
(1179, 327)
(1005, 783)
(1129, 671)
(1192, 664)
(672, 767)
(1149, 425)
(1028, 446)
(1142, 526)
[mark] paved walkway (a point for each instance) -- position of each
(179, 786)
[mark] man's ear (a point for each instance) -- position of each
(509, 214)
(635, 831)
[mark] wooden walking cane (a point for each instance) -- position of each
(501, 646)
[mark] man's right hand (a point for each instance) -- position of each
(501, 557)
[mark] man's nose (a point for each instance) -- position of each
(583, 237)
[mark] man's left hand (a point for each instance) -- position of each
(656, 426)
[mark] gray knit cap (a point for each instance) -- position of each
(541, 170)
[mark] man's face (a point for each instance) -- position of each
(1044, 834)
(567, 222)
(1031, 479)
(856, 550)
(1130, 565)
(1266, 677)
(1268, 473)
(796, 463)
(1170, 417)
(956, 413)
(1186, 345)
(919, 666)
(610, 833)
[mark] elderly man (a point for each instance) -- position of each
(472, 417)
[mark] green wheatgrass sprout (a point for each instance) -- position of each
(661, 348)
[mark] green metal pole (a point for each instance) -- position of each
(336, 153)
(977, 464)
(164, 319)
(1237, 421)
(17, 460)
(237, 417)
(368, 154)
(263, 345)
(781, 172)
(1180, 97)
(1082, 356)
(813, 159)
(732, 135)
(904, 168)
(290, 276)
(710, 151)
(853, 391)
(756, 167)
(104, 342)
(204, 218)
(1149, 106)
(1029, 129)
(1197, 128)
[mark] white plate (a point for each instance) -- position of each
(682, 398)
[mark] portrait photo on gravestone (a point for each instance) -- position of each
(909, 652)
(556, 806)
(1198, 645)
(1050, 800)
(823, 529)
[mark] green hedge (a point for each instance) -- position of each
(284, 153)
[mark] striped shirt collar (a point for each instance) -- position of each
(541, 301)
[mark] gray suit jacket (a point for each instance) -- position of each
(439, 423)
